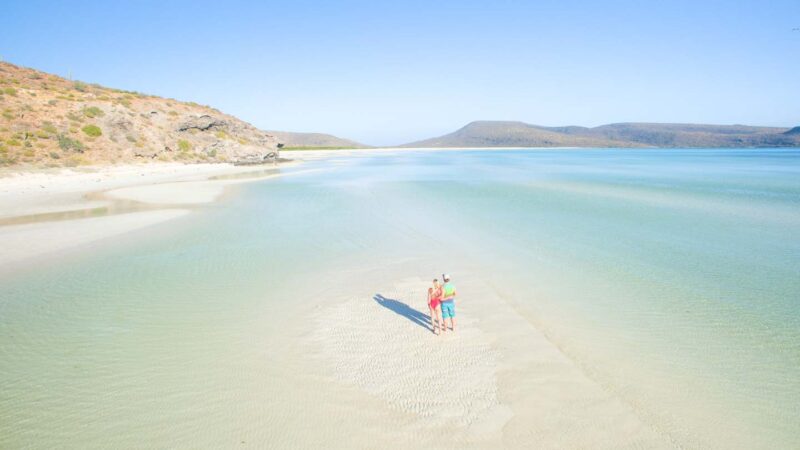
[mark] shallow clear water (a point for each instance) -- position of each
(672, 277)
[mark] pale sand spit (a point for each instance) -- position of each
(188, 192)
(26, 241)
(49, 190)
(35, 206)
(496, 382)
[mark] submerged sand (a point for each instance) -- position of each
(495, 382)
(49, 211)
(22, 242)
(377, 376)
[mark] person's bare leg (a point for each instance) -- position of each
(434, 323)
(439, 317)
(453, 323)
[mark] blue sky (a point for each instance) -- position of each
(391, 72)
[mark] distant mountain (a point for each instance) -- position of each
(520, 134)
(313, 140)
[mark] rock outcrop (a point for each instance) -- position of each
(202, 123)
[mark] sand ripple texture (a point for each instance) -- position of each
(384, 346)
(496, 382)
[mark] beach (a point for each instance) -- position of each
(222, 306)
(230, 227)
(60, 209)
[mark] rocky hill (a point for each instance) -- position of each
(513, 134)
(48, 121)
(519, 134)
(292, 140)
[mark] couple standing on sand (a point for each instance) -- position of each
(441, 302)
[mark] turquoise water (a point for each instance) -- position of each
(671, 277)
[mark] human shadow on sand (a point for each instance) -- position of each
(418, 317)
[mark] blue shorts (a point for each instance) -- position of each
(448, 309)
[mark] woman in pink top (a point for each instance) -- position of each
(434, 305)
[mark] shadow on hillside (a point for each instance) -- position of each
(404, 310)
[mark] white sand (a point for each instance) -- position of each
(49, 190)
(23, 194)
(496, 382)
(452, 384)
(22, 242)
(187, 193)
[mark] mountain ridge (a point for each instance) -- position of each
(487, 133)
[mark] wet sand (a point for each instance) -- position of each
(496, 382)
(49, 211)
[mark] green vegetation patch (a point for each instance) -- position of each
(92, 130)
(10, 91)
(66, 143)
(93, 111)
(7, 160)
(184, 145)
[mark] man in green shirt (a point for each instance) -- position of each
(448, 303)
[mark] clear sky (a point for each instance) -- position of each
(391, 72)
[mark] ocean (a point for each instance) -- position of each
(670, 278)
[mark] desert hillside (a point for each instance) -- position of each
(49, 121)
(519, 134)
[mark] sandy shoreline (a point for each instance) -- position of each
(43, 210)
(52, 210)
(50, 190)
(498, 382)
